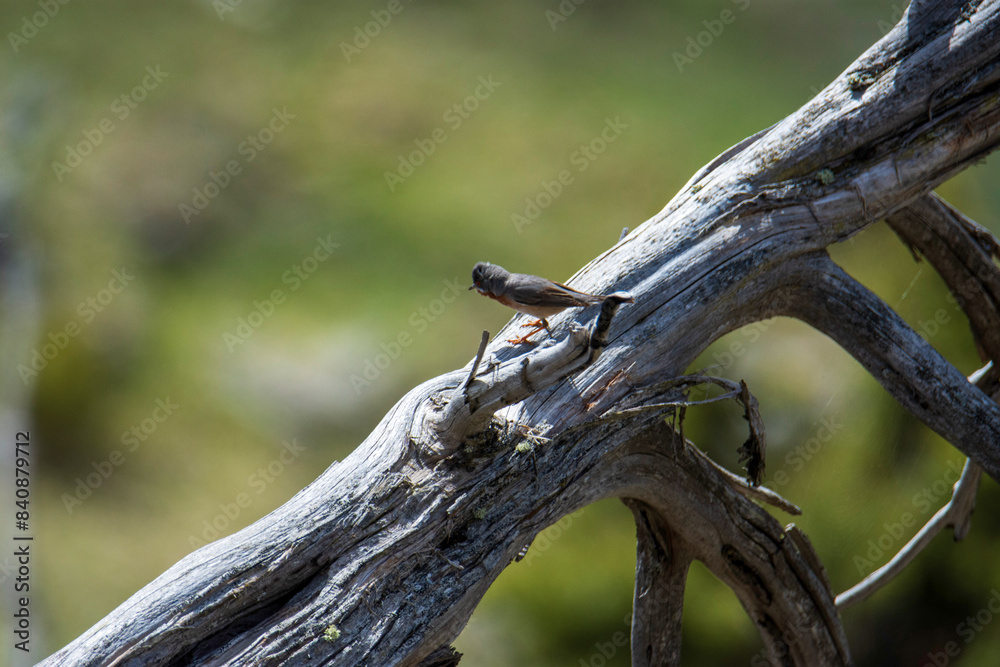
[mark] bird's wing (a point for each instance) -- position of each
(534, 291)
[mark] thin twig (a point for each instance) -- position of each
(742, 487)
(955, 515)
(753, 450)
(678, 404)
(761, 493)
(475, 364)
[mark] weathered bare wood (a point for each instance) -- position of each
(383, 558)
(955, 514)
(773, 580)
(446, 656)
(753, 449)
(820, 293)
(946, 238)
(471, 407)
(660, 574)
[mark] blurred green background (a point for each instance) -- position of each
(224, 366)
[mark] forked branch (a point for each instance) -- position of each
(383, 558)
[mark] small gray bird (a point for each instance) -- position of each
(531, 295)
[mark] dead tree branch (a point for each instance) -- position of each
(955, 514)
(383, 558)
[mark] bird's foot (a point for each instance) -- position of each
(537, 325)
(522, 339)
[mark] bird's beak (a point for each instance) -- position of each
(472, 287)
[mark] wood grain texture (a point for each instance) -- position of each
(383, 558)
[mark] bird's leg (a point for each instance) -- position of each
(538, 325)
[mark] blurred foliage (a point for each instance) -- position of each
(312, 128)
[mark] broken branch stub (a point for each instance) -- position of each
(470, 408)
(674, 393)
(395, 553)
